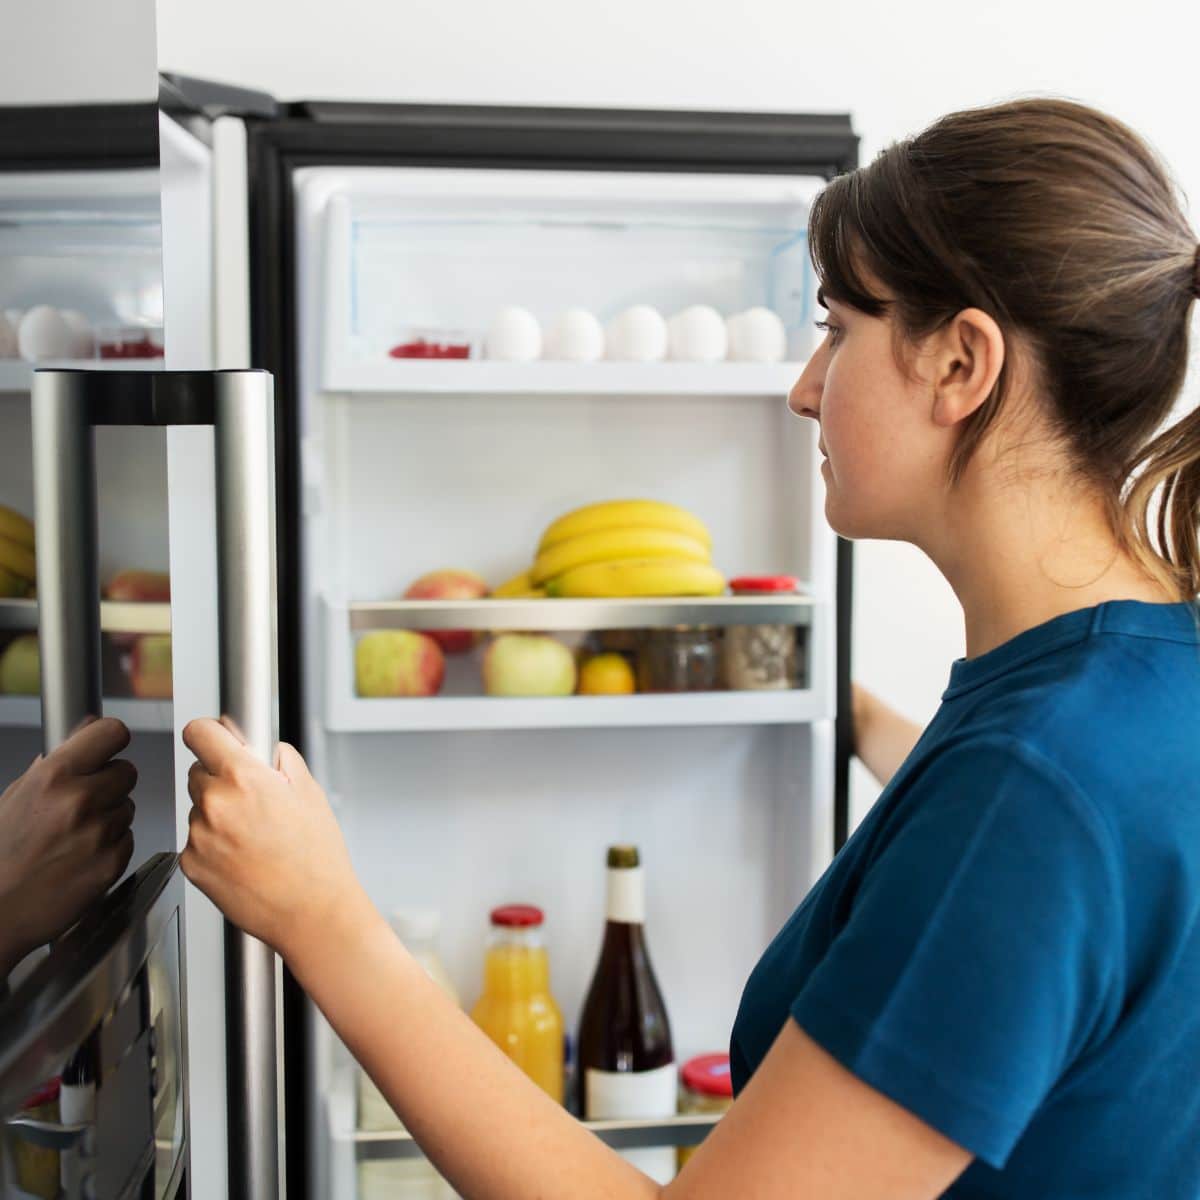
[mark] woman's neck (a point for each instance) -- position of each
(1020, 553)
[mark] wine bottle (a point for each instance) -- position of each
(626, 1063)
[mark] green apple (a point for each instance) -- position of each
(398, 662)
(528, 664)
(150, 673)
(19, 670)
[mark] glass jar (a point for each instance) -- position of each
(37, 1167)
(516, 1009)
(761, 657)
(683, 659)
(705, 1086)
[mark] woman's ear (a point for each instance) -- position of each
(965, 358)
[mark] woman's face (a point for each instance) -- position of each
(885, 458)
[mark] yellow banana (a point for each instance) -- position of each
(605, 544)
(515, 588)
(17, 558)
(16, 526)
(639, 577)
(624, 514)
(12, 587)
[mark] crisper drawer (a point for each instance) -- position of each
(421, 264)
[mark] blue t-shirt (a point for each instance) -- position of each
(1009, 944)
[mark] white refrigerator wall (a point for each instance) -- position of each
(894, 67)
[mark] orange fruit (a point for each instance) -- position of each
(606, 675)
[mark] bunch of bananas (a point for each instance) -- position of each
(17, 567)
(621, 548)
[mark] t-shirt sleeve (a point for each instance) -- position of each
(982, 950)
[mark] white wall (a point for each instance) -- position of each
(894, 66)
(71, 51)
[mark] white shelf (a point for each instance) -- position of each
(142, 716)
(450, 377)
(16, 375)
(352, 714)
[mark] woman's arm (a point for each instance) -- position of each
(266, 848)
(883, 739)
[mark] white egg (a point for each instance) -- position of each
(697, 335)
(639, 334)
(514, 336)
(8, 339)
(83, 338)
(577, 336)
(43, 335)
(756, 335)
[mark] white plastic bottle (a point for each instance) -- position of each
(403, 1179)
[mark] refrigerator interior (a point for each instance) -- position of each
(91, 241)
(461, 801)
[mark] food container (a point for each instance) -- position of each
(37, 1167)
(425, 343)
(686, 658)
(705, 1086)
(129, 342)
(761, 657)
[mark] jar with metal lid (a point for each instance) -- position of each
(761, 657)
(705, 1086)
(685, 658)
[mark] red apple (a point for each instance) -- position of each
(150, 673)
(398, 662)
(449, 584)
(143, 587)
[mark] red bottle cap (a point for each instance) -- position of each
(48, 1092)
(517, 916)
(765, 583)
(708, 1075)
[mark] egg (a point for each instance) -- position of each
(577, 336)
(83, 339)
(697, 335)
(756, 335)
(8, 339)
(514, 336)
(639, 334)
(43, 335)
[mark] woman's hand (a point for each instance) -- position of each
(65, 837)
(883, 739)
(263, 845)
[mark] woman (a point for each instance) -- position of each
(994, 990)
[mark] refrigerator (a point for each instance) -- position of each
(375, 227)
(313, 240)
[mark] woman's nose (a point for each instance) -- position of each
(805, 397)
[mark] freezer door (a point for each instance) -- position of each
(238, 405)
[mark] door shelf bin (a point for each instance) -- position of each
(688, 1130)
(116, 616)
(346, 712)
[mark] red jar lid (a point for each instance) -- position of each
(708, 1075)
(765, 583)
(517, 916)
(46, 1094)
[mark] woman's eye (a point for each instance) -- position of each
(834, 331)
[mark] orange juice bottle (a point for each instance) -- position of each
(516, 1009)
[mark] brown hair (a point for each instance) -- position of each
(1064, 226)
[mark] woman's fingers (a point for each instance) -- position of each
(215, 746)
(90, 746)
(290, 762)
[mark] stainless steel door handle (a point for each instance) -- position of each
(67, 406)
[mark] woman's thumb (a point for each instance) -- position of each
(290, 762)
